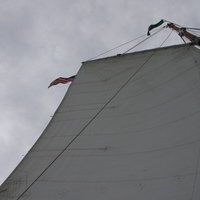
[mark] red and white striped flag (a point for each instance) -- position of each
(62, 80)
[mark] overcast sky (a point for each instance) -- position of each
(41, 40)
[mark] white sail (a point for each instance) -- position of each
(128, 128)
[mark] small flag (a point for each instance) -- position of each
(152, 26)
(62, 80)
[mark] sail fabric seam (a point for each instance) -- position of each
(125, 115)
(108, 133)
(122, 181)
(180, 146)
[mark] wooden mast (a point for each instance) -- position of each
(183, 32)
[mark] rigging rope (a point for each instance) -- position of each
(198, 29)
(116, 47)
(144, 40)
(166, 38)
(156, 31)
(52, 162)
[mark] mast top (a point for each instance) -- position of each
(182, 31)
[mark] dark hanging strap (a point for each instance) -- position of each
(152, 26)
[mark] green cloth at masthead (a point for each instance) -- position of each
(152, 26)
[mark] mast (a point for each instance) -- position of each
(182, 31)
